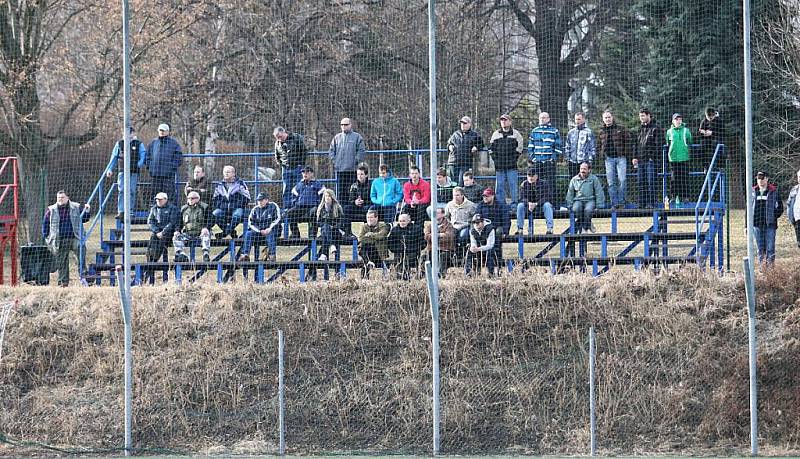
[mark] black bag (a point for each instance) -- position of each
(36, 263)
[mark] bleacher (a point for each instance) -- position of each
(689, 233)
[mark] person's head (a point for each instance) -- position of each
(199, 172)
(505, 122)
(362, 173)
(62, 197)
(458, 193)
(439, 214)
(372, 217)
(469, 178)
(262, 199)
(645, 116)
(711, 113)
(608, 118)
(132, 132)
(328, 197)
(677, 120)
(404, 220)
(346, 125)
(580, 119)
(477, 222)
(280, 133)
(161, 199)
(228, 173)
(413, 173)
(383, 170)
(586, 168)
(465, 123)
(488, 196)
(798, 176)
(544, 118)
(762, 179)
(163, 130)
(193, 198)
(533, 175)
(441, 176)
(308, 173)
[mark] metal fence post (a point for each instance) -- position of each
(592, 423)
(281, 399)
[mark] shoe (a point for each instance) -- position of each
(120, 216)
(592, 228)
(206, 257)
(181, 258)
(549, 231)
(234, 234)
(519, 232)
(244, 258)
(84, 283)
(333, 253)
(271, 258)
(294, 235)
(63, 284)
(370, 265)
(322, 257)
(221, 235)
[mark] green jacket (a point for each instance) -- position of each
(588, 189)
(679, 140)
(194, 219)
(378, 235)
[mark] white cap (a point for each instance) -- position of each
(161, 195)
(163, 127)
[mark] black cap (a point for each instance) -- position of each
(533, 170)
(261, 196)
(477, 218)
(307, 169)
(762, 174)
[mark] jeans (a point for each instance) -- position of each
(508, 178)
(583, 211)
(251, 237)
(545, 209)
(456, 172)
(354, 213)
(290, 178)
(228, 220)
(797, 231)
(765, 239)
(477, 260)
(616, 172)
(648, 183)
(330, 236)
(386, 213)
(131, 196)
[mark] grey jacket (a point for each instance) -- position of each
(346, 151)
(74, 215)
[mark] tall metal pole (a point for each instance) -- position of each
(126, 260)
(592, 419)
(433, 293)
(751, 291)
(281, 400)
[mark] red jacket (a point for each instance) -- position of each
(421, 189)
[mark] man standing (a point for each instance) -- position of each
(231, 197)
(767, 208)
(585, 194)
(505, 147)
(647, 153)
(138, 160)
(711, 133)
(615, 146)
(290, 155)
(579, 146)
(62, 228)
(163, 160)
(544, 147)
(679, 139)
(462, 146)
(195, 226)
(346, 151)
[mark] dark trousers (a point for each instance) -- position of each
(156, 249)
(302, 214)
(679, 184)
(648, 181)
(164, 185)
(354, 213)
(478, 260)
(797, 231)
(65, 246)
(416, 212)
(343, 181)
(548, 172)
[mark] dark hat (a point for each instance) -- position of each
(476, 218)
(488, 192)
(676, 115)
(307, 169)
(261, 196)
(505, 116)
(762, 173)
(533, 170)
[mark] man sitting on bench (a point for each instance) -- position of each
(585, 194)
(307, 196)
(194, 227)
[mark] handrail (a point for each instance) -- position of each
(701, 221)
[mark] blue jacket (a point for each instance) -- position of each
(265, 217)
(497, 213)
(386, 191)
(308, 193)
(579, 146)
(164, 157)
(237, 196)
(544, 143)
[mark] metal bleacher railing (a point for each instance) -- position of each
(708, 210)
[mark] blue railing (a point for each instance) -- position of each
(708, 226)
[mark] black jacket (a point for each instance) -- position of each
(359, 190)
(164, 219)
(617, 136)
(538, 192)
(649, 142)
(291, 152)
(407, 241)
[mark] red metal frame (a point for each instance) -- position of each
(9, 223)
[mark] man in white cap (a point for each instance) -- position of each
(163, 160)
(164, 219)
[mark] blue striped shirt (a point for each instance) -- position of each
(544, 143)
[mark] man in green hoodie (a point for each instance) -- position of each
(679, 139)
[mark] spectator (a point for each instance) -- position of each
(615, 147)
(163, 220)
(138, 160)
(679, 139)
(462, 146)
(164, 157)
(290, 155)
(711, 133)
(307, 195)
(231, 197)
(358, 201)
(505, 146)
(195, 226)
(346, 151)
(372, 242)
(62, 229)
(579, 145)
(767, 209)
(263, 226)
(386, 194)
(447, 241)
(330, 216)
(793, 209)
(460, 211)
(199, 183)
(483, 247)
(647, 153)
(534, 201)
(495, 211)
(472, 190)
(544, 147)
(444, 188)
(406, 242)
(585, 193)
(416, 196)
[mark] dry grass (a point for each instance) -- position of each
(672, 365)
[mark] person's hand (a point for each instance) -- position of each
(160, 234)
(109, 174)
(531, 206)
(474, 149)
(359, 202)
(635, 162)
(176, 234)
(473, 249)
(451, 148)
(415, 200)
(87, 207)
(265, 232)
